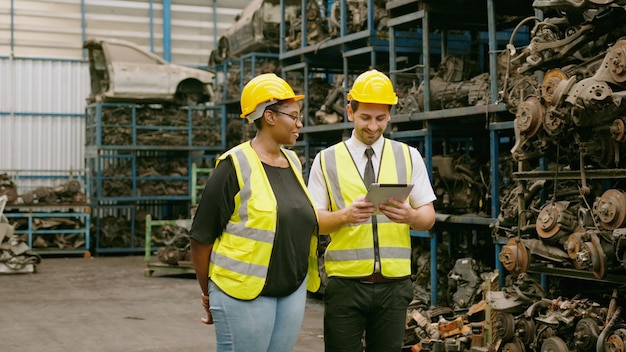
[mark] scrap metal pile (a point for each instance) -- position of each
(120, 232)
(153, 175)
(67, 193)
(15, 254)
(526, 320)
(575, 217)
(159, 125)
(518, 318)
(172, 242)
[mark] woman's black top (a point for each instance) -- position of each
(296, 223)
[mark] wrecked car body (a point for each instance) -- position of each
(122, 71)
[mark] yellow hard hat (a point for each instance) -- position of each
(373, 87)
(263, 89)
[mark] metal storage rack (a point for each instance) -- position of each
(181, 266)
(405, 46)
(70, 210)
(140, 157)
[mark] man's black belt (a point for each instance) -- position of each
(378, 278)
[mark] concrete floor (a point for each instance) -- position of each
(107, 304)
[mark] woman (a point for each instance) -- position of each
(255, 227)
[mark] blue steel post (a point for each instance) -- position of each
(304, 24)
(495, 192)
(491, 23)
(371, 30)
(151, 19)
(167, 30)
(83, 25)
(12, 10)
(426, 61)
(433, 269)
(428, 155)
(223, 127)
(343, 11)
(282, 27)
(215, 24)
(392, 56)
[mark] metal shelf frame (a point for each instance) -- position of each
(84, 215)
(130, 203)
(409, 35)
(27, 181)
(96, 128)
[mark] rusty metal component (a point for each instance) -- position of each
(356, 17)
(15, 255)
(464, 281)
(596, 258)
(555, 221)
(551, 80)
(8, 188)
(611, 209)
(173, 243)
(555, 40)
(617, 62)
(449, 95)
(331, 106)
(514, 346)
(504, 325)
(551, 324)
(554, 344)
(529, 117)
(525, 330)
(457, 188)
(586, 334)
(514, 257)
(618, 130)
(573, 245)
(616, 342)
(115, 232)
(316, 30)
(70, 192)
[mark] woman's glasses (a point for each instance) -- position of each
(297, 119)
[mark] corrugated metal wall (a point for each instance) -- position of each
(44, 81)
(42, 114)
(57, 28)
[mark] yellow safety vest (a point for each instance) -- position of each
(352, 249)
(241, 255)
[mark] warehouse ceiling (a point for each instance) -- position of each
(57, 28)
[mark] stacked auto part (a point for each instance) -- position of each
(571, 213)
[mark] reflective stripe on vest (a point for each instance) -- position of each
(241, 255)
(351, 251)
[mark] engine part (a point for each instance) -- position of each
(525, 330)
(504, 325)
(586, 334)
(616, 342)
(611, 209)
(555, 221)
(456, 184)
(554, 344)
(514, 257)
(514, 346)
(464, 281)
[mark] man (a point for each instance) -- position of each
(368, 260)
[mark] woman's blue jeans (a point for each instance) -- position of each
(263, 324)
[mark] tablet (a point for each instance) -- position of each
(380, 193)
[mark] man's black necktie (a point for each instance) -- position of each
(368, 175)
